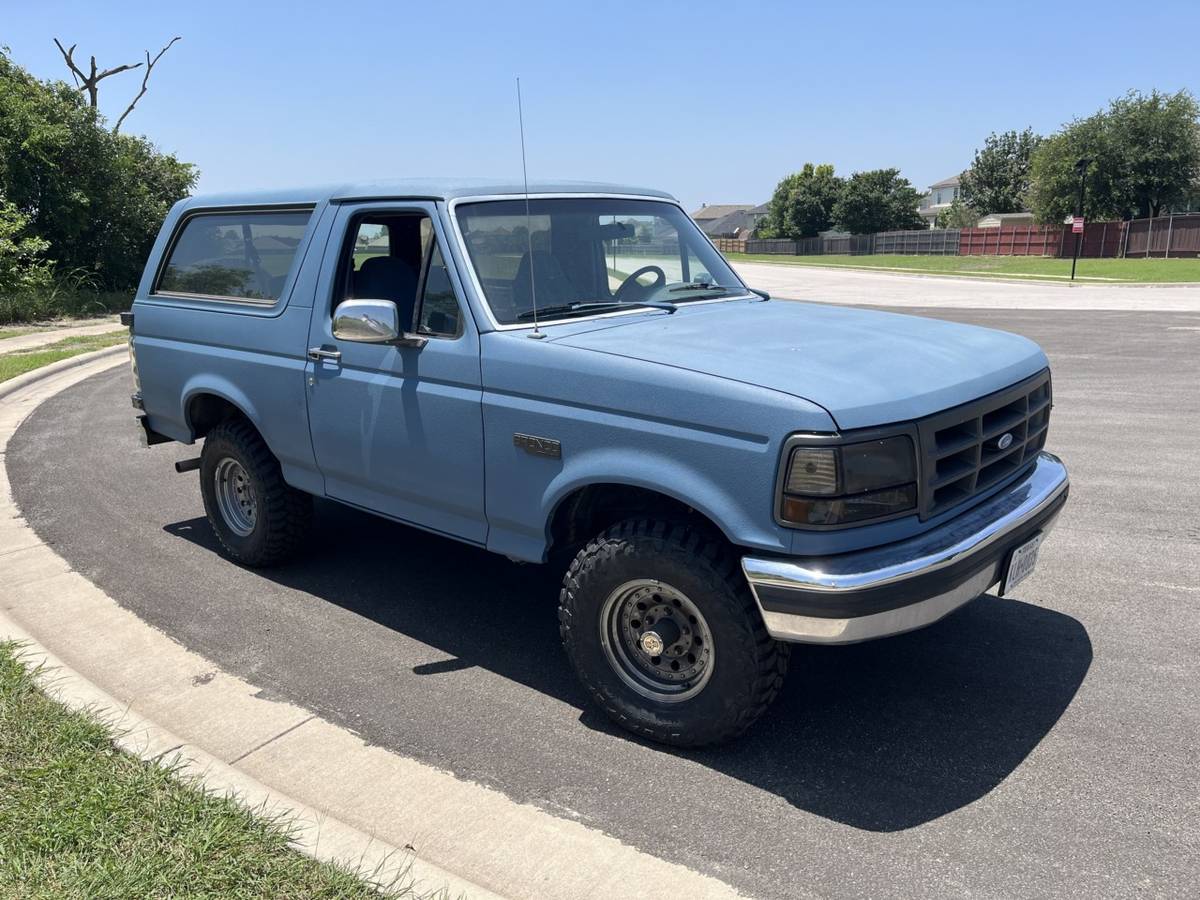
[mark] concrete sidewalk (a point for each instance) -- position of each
(859, 287)
(57, 333)
(357, 803)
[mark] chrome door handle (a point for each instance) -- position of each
(317, 354)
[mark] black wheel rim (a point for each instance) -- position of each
(657, 640)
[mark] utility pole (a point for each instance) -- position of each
(1077, 226)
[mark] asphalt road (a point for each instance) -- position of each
(1041, 746)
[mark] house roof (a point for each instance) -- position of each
(735, 223)
(719, 210)
(414, 188)
(952, 181)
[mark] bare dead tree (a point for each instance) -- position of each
(88, 82)
(145, 80)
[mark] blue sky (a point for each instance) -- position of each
(712, 101)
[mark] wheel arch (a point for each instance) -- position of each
(586, 509)
(659, 482)
(207, 404)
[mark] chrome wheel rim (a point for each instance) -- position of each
(657, 640)
(236, 500)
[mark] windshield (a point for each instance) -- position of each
(589, 256)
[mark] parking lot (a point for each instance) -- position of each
(1038, 746)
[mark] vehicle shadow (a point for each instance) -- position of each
(881, 736)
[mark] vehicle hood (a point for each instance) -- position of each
(864, 366)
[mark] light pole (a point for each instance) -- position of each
(1081, 167)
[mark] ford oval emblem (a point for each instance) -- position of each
(1004, 441)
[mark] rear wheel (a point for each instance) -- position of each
(257, 517)
(663, 632)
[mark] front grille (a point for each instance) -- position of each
(961, 456)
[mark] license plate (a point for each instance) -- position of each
(1021, 563)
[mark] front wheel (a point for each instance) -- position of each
(258, 518)
(662, 630)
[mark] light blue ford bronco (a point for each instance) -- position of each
(573, 375)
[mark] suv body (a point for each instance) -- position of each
(574, 375)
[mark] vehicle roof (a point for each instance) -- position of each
(413, 188)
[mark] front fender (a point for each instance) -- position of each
(672, 477)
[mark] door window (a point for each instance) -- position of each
(394, 256)
(439, 310)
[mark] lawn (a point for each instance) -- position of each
(18, 362)
(1095, 271)
(80, 819)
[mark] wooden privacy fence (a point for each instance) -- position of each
(852, 244)
(1164, 236)
(1099, 239)
(1177, 235)
(729, 245)
(774, 245)
(1011, 240)
(925, 242)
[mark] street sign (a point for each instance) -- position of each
(1077, 225)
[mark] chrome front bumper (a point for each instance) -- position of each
(909, 584)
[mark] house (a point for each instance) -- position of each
(940, 196)
(999, 220)
(739, 224)
(706, 216)
(716, 211)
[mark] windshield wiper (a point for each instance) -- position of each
(584, 306)
(704, 286)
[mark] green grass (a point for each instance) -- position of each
(18, 362)
(51, 326)
(1097, 271)
(17, 332)
(80, 819)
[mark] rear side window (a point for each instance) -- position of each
(236, 255)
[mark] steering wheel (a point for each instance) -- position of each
(631, 284)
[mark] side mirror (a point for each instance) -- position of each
(371, 322)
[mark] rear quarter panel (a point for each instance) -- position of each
(252, 356)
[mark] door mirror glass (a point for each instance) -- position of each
(367, 321)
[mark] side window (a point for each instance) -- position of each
(439, 307)
(371, 240)
(235, 255)
(385, 257)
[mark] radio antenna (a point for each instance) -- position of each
(528, 226)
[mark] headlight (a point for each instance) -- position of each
(835, 485)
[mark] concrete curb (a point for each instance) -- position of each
(13, 385)
(354, 803)
(313, 833)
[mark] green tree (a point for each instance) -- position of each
(802, 205)
(878, 200)
(998, 179)
(958, 215)
(23, 267)
(1145, 152)
(98, 198)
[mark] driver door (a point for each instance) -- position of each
(396, 429)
